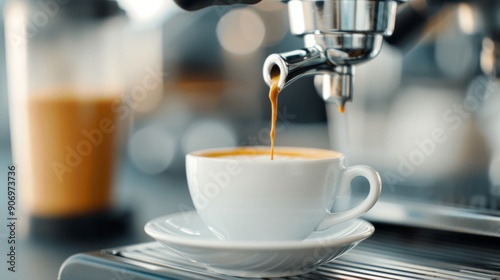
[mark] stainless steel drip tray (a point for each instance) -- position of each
(433, 216)
(391, 253)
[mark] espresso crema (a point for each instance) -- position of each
(279, 153)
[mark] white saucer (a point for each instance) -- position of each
(187, 235)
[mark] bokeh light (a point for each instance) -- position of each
(206, 134)
(466, 20)
(152, 150)
(241, 31)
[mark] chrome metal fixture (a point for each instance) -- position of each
(338, 34)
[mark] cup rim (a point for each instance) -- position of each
(198, 154)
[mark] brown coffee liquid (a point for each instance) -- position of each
(71, 172)
(249, 152)
(273, 97)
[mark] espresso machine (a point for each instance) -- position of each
(340, 35)
(337, 36)
(440, 208)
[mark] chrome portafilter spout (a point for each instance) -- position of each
(338, 34)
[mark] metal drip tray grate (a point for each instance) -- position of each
(391, 253)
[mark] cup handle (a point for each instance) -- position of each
(347, 176)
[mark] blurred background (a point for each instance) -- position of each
(425, 111)
(183, 80)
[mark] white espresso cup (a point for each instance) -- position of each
(241, 194)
